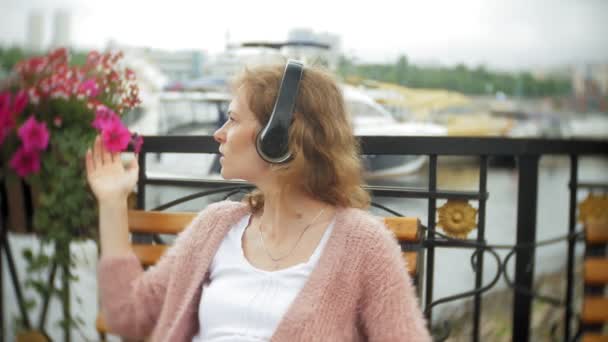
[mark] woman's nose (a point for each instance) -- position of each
(219, 135)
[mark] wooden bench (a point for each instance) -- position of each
(594, 315)
(406, 229)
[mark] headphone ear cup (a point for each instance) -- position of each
(272, 142)
(258, 143)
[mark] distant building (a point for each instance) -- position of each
(327, 57)
(35, 32)
(304, 44)
(177, 65)
(61, 29)
(232, 61)
(601, 76)
(590, 87)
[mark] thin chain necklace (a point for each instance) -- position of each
(276, 260)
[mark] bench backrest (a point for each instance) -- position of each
(406, 230)
(594, 314)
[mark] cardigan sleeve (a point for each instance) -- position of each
(131, 298)
(389, 307)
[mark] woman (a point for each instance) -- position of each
(297, 260)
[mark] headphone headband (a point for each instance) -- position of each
(273, 140)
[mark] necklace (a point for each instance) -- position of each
(276, 260)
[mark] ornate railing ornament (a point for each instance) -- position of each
(593, 209)
(457, 218)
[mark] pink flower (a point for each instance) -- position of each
(7, 119)
(6, 125)
(57, 121)
(45, 86)
(93, 58)
(34, 95)
(113, 76)
(7, 122)
(137, 141)
(5, 102)
(62, 91)
(33, 65)
(59, 56)
(34, 135)
(89, 88)
(25, 162)
(4, 131)
(115, 136)
(129, 74)
(104, 116)
(92, 103)
(20, 102)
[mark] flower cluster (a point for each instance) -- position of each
(115, 136)
(59, 96)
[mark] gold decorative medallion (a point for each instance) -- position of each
(457, 218)
(593, 209)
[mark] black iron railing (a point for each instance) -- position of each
(526, 153)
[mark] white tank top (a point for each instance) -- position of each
(244, 303)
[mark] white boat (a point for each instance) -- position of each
(200, 113)
(587, 126)
(370, 118)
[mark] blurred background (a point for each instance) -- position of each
(514, 69)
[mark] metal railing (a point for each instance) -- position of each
(526, 152)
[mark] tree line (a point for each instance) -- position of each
(9, 56)
(473, 81)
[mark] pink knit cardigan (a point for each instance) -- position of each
(359, 290)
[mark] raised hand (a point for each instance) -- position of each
(107, 177)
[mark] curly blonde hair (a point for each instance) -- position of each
(326, 163)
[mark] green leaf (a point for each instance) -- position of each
(27, 254)
(29, 303)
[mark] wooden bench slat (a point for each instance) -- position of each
(596, 271)
(596, 233)
(100, 323)
(595, 338)
(411, 259)
(31, 336)
(149, 254)
(595, 310)
(159, 222)
(404, 228)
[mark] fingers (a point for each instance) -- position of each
(106, 156)
(101, 156)
(90, 165)
(133, 164)
(97, 152)
(133, 169)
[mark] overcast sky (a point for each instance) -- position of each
(501, 34)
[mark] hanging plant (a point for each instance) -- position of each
(49, 115)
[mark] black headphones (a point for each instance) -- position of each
(272, 142)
